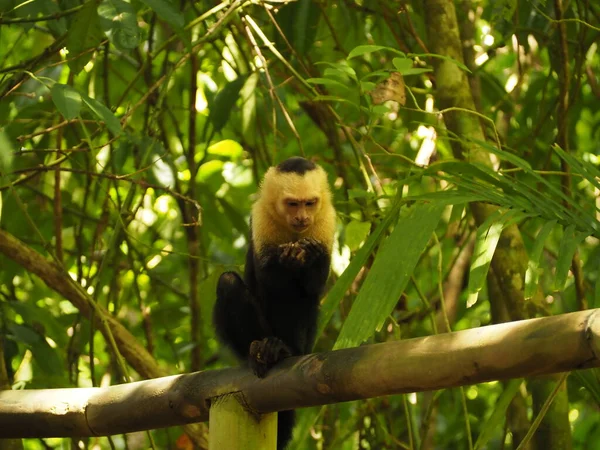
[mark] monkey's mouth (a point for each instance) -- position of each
(299, 228)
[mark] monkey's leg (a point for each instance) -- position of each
(236, 315)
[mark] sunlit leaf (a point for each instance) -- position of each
(337, 292)
(568, 245)
(356, 233)
(486, 240)
(532, 273)
(390, 274)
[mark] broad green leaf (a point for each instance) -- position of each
(367, 86)
(119, 22)
(493, 425)
(6, 152)
(402, 64)
(84, 34)
(102, 112)
(224, 103)
(364, 49)
(532, 273)
(568, 245)
(338, 70)
(67, 100)
(486, 240)
(167, 12)
(337, 292)
(391, 271)
(356, 232)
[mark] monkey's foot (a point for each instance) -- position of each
(266, 353)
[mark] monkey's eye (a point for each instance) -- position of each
(292, 203)
(311, 202)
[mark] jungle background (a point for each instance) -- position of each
(461, 139)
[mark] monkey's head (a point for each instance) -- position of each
(296, 193)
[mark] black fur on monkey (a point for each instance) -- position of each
(271, 313)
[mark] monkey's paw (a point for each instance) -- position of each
(300, 253)
(292, 255)
(312, 249)
(266, 353)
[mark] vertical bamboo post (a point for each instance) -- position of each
(233, 427)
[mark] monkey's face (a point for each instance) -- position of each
(299, 213)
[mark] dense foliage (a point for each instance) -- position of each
(133, 136)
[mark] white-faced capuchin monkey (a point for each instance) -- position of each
(271, 313)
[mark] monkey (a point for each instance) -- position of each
(271, 313)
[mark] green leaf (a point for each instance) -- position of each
(299, 21)
(167, 12)
(45, 356)
(102, 112)
(6, 152)
(337, 292)
(84, 33)
(532, 273)
(67, 100)
(391, 271)
(327, 82)
(119, 21)
(356, 233)
(486, 240)
(568, 245)
(364, 49)
(416, 71)
(224, 103)
(493, 425)
(402, 64)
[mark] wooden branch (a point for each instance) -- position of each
(509, 350)
(59, 280)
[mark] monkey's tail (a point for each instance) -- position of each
(285, 425)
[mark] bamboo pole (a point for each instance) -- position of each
(233, 427)
(496, 352)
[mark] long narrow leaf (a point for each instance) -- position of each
(532, 273)
(571, 239)
(494, 423)
(336, 294)
(486, 240)
(389, 275)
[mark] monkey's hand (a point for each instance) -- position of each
(266, 353)
(300, 253)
